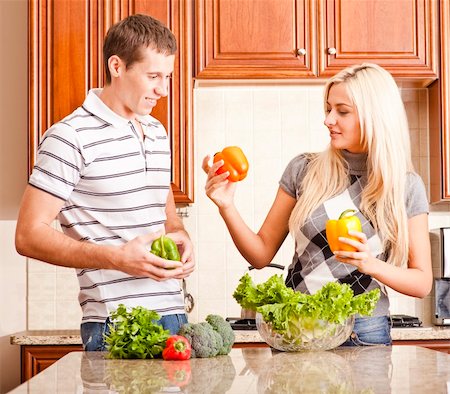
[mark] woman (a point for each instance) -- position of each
(367, 167)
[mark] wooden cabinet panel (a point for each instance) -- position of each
(439, 116)
(65, 46)
(254, 38)
(399, 35)
(36, 358)
(243, 345)
(315, 38)
(439, 345)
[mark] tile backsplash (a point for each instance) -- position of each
(272, 124)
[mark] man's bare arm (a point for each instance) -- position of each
(36, 238)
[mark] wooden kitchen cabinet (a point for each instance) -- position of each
(400, 35)
(439, 116)
(35, 358)
(243, 345)
(65, 61)
(315, 38)
(439, 345)
(255, 39)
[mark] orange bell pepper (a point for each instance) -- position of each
(235, 163)
(340, 228)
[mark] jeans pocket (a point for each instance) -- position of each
(375, 332)
(93, 335)
(173, 323)
(182, 319)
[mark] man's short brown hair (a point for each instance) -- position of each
(127, 38)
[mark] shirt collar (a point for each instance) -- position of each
(356, 162)
(96, 106)
(149, 125)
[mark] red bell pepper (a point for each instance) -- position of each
(235, 163)
(177, 348)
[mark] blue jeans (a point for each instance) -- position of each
(92, 334)
(370, 331)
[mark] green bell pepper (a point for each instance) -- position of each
(165, 248)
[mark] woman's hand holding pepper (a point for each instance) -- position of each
(218, 188)
(362, 259)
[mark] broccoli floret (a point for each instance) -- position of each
(224, 329)
(204, 340)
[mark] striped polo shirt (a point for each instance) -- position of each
(115, 187)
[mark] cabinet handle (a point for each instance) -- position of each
(301, 52)
(332, 51)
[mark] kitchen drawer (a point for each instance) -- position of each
(35, 358)
(439, 345)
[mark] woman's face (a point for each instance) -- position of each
(342, 120)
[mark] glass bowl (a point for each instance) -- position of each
(315, 372)
(306, 335)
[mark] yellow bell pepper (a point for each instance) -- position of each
(340, 228)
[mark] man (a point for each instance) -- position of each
(104, 172)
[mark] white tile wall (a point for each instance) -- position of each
(13, 305)
(272, 124)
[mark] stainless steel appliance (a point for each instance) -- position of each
(441, 302)
(441, 286)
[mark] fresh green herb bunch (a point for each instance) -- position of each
(135, 334)
(284, 307)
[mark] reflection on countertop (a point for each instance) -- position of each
(377, 369)
(72, 337)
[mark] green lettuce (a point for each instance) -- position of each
(284, 307)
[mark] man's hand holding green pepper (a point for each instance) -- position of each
(174, 248)
(169, 247)
(186, 250)
(165, 248)
(134, 258)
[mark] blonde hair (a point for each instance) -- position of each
(385, 136)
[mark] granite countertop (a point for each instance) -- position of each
(46, 337)
(72, 337)
(380, 369)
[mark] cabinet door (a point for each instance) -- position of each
(438, 345)
(255, 38)
(39, 357)
(439, 116)
(399, 35)
(66, 39)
